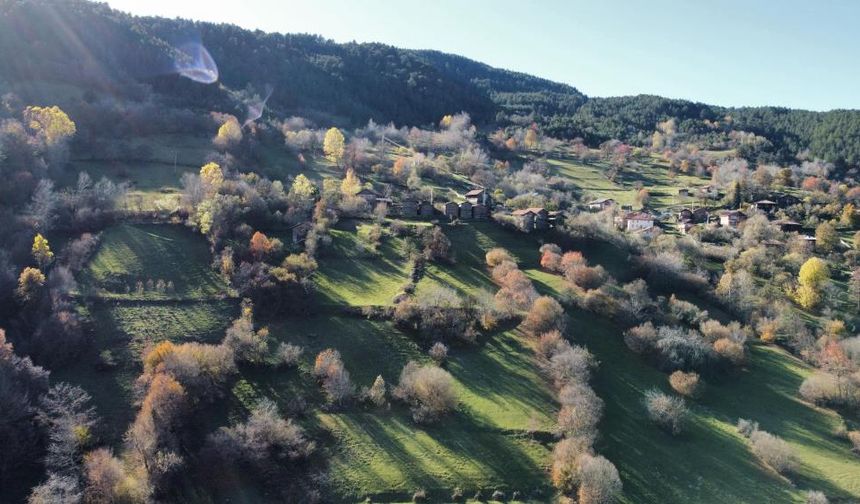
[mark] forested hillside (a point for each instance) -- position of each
(79, 42)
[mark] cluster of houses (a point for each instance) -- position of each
(478, 206)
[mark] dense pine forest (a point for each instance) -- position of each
(348, 84)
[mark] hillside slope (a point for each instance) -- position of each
(91, 45)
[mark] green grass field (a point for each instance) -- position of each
(652, 174)
(485, 444)
(126, 328)
(130, 253)
(348, 276)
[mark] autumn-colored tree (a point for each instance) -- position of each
(42, 250)
(333, 145)
(446, 121)
(155, 356)
(571, 259)
(545, 315)
(51, 123)
(211, 176)
(826, 237)
(261, 245)
(849, 216)
(351, 184)
(530, 140)
(229, 134)
(302, 190)
(812, 276)
(511, 144)
(811, 184)
(643, 197)
(30, 282)
(399, 167)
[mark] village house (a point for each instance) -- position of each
(300, 231)
(531, 219)
(465, 210)
(600, 204)
(732, 218)
(425, 210)
(684, 192)
(368, 195)
(480, 212)
(635, 221)
(684, 227)
(409, 209)
(451, 210)
(788, 226)
(478, 196)
(766, 206)
(785, 200)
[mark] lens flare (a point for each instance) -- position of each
(194, 62)
(256, 108)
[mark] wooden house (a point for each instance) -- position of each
(732, 218)
(477, 196)
(636, 221)
(451, 210)
(480, 212)
(788, 226)
(766, 206)
(425, 210)
(409, 209)
(300, 231)
(600, 204)
(369, 196)
(465, 210)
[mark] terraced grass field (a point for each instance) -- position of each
(652, 174)
(132, 253)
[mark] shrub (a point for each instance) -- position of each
(265, 441)
(549, 344)
(497, 256)
(376, 393)
(599, 480)
(580, 412)
(686, 384)
(571, 365)
(586, 277)
(565, 463)
(730, 350)
(438, 352)
(815, 497)
(854, 437)
(642, 338)
(773, 451)
(747, 427)
(429, 390)
(545, 315)
(668, 412)
(288, 354)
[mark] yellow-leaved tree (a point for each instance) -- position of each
(229, 134)
(51, 123)
(42, 250)
(211, 176)
(333, 145)
(302, 190)
(351, 184)
(531, 139)
(813, 274)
